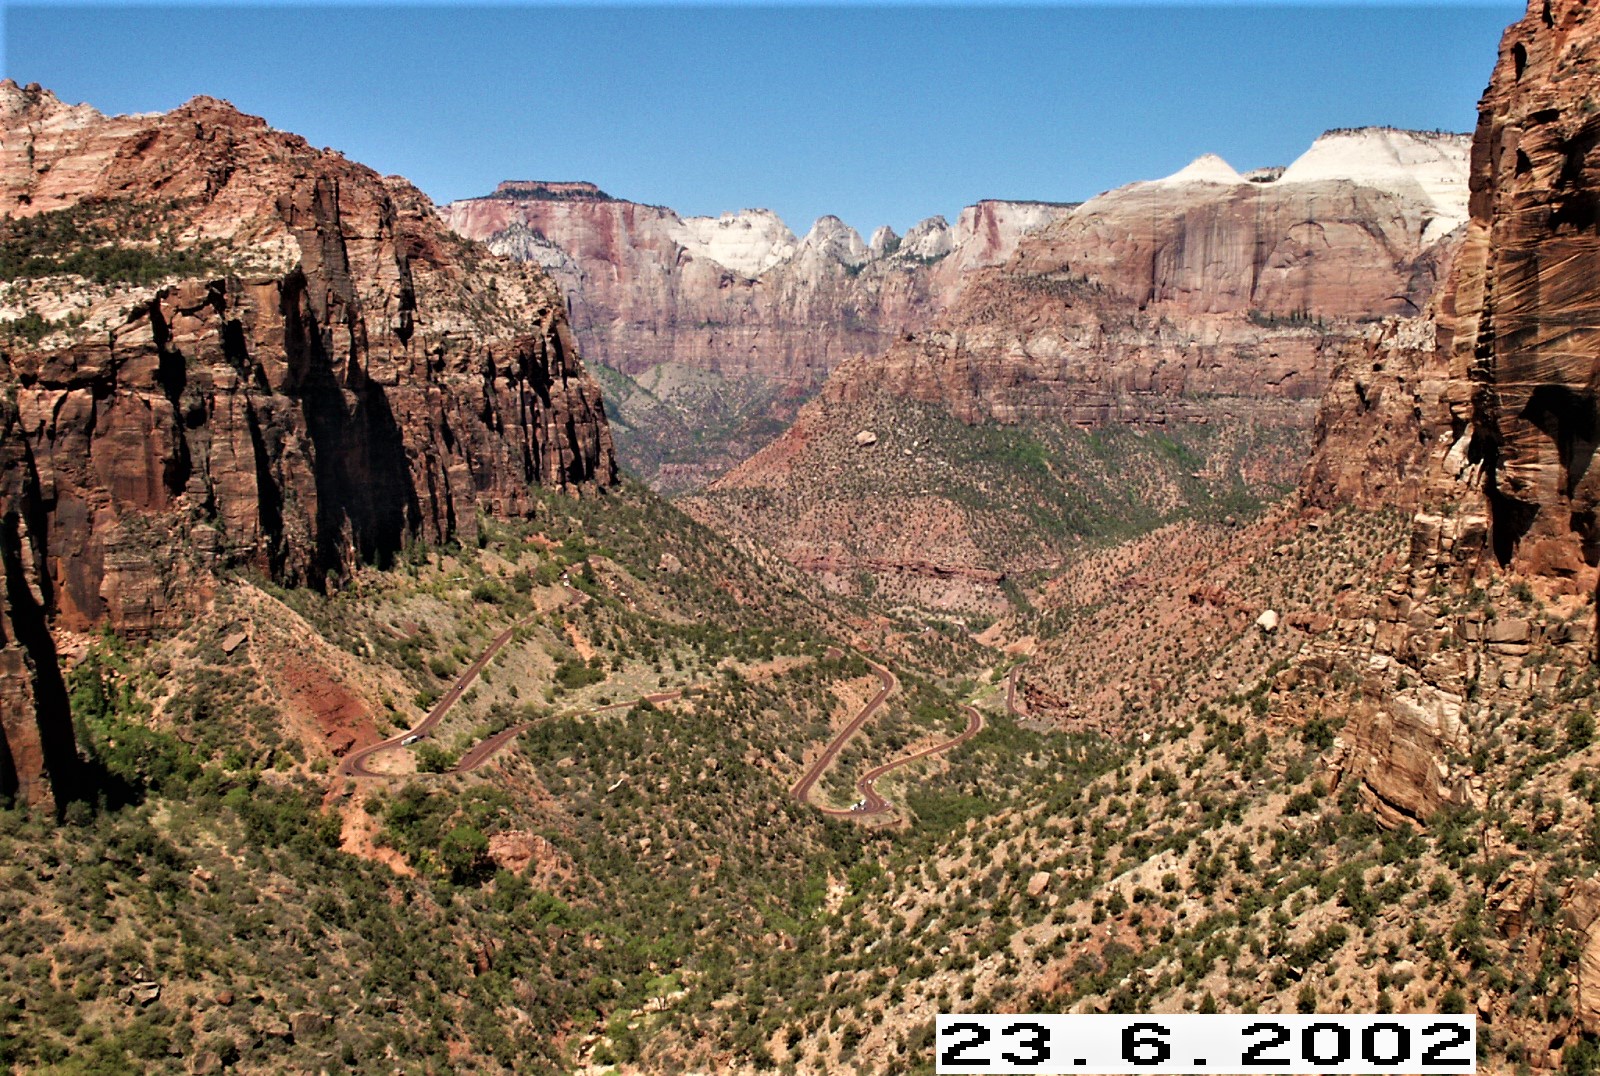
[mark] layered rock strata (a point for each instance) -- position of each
(227, 348)
(1525, 358)
(1205, 308)
(1152, 302)
(739, 295)
(718, 328)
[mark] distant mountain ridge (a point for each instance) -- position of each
(738, 298)
(1206, 309)
(770, 314)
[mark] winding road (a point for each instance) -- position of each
(486, 750)
(872, 804)
(355, 763)
(802, 789)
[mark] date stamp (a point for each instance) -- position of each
(1204, 1043)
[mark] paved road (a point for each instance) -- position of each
(355, 764)
(872, 802)
(487, 748)
(802, 789)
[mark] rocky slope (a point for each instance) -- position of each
(1497, 415)
(1509, 484)
(1459, 669)
(223, 347)
(738, 300)
(1435, 676)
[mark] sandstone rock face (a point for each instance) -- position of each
(724, 324)
(1400, 751)
(1348, 230)
(738, 294)
(302, 371)
(1151, 302)
(1194, 310)
(1525, 308)
(1381, 423)
(1582, 914)
(1484, 425)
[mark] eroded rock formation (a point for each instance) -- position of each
(1205, 309)
(1526, 349)
(723, 325)
(1486, 428)
(1380, 423)
(227, 348)
(740, 294)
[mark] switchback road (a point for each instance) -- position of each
(802, 789)
(355, 763)
(874, 804)
(487, 748)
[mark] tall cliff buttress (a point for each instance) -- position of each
(1525, 351)
(224, 348)
(1483, 417)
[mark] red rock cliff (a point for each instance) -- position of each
(739, 295)
(1483, 419)
(227, 348)
(1525, 306)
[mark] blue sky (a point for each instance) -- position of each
(878, 114)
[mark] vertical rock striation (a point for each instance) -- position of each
(1485, 426)
(1154, 302)
(1525, 309)
(718, 328)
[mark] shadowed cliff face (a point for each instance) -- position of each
(35, 724)
(247, 353)
(1525, 362)
(1483, 420)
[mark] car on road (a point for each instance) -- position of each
(413, 738)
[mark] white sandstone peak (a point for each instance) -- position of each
(988, 233)
(883, 241)
(1206, 168)
(928, 239)
(1392, 159)
(749, 242)
(834, 238)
